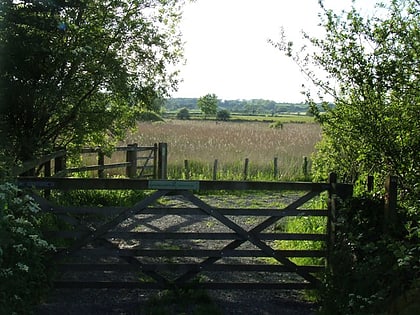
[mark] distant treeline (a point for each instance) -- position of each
(254, 106)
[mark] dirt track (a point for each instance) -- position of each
(123, 301)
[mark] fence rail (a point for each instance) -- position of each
(140, 162)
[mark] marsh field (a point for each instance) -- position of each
(201, 142)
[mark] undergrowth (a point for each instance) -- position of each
(375, 264)
(24, 279)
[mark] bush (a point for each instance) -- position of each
(276, 125)
(183, 113)
(372, 267)
(223, 114)
(23, 276)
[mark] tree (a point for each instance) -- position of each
(223, 114)
(208, 104)
(372, 67)
(75, 73)
(183, 113)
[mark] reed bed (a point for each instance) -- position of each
(202, 142)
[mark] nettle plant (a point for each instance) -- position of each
(23, 252)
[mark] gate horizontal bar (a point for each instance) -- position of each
(203, 285)
(143, 184)
(194, 253)
(255, 212)
(179, 267)
(191, 236)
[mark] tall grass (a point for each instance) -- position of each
(202, 142)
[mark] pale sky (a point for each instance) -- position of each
(227, 50)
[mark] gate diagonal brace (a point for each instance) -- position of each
(48, 207)
(103, 229)
(248, 236)
(162, 281)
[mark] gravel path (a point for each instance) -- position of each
(229, 302)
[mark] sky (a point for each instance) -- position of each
(227, 51)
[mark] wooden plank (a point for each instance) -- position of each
(116, 149)
(174, 184)
(181, 267)
(95, 252)
(97, 167)
(129, 184)
(280, 213)
(139, 149)
(201, 285)
(83, 183)
(213, 236)
(189, 236)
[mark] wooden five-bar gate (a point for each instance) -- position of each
(180, 235)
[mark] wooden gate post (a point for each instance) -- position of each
(47, 173)
(162, 160)
(101, 163)
(47, 169)
(131, 157)
(155, 161)
(59, 164)
(246, 169)
(331, 220)
(336, 195)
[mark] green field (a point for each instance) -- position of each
(201, 142)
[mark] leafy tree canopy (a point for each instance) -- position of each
(372, 66)
(75, 73)
(208, 104)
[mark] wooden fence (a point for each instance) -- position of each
(245, 172)
(177, 237)
(140, 162)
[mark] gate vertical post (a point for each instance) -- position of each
(59, 164)
(47, 173)
(131, 157)
(162, 160)
(155, 161)
(47, 169)
(332, 203)
(101, 163)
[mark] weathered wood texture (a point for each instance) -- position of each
(105, 253)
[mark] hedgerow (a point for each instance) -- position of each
(375, 264)
(23, 252)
